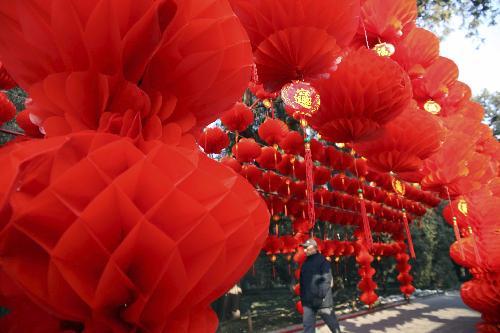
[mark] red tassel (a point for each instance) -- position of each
(366, 223)
(408, 235)
(277, 229)
(309, 184)
(474, 243)
(458, 238)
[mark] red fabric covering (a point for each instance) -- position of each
(89, 244)
(361, 96)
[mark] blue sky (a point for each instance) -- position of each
(479, 64)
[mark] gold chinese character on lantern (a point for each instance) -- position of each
(462, 207)
(398, 186)
(303, 98)
(384, 49)
(432, 107)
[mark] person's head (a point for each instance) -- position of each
(310, 247)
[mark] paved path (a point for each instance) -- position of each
(436, 314)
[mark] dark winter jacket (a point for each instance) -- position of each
(315, 282)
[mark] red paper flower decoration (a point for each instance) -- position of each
(360, 97)
(385, 20)
(93, 59)
(279, 29)
(213, 140)
(435, 83)
(238, 118)
(416, 51)
(456, 168)
(101, 250)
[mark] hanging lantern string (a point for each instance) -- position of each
(366, 35)
(325, 166)
(362, 205)
(455, 225)
(7, 131)
(317, 204)
(334, 208)
(392, 209)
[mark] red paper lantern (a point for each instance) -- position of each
(269, 158)
(149, 265)
(406, 141)
(435, 83)
(299, 307)
(385, 20)
(361, 96)
(246, 150)
(238, 118)
(23, 120)
(7, 109)
(321, 175)
(293, 143)
(213, 140)
(6, 81)
(251, 173)
(273, 131)
(24, 315)
(232, 163)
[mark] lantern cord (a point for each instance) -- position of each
(6, 131)
(362, 205)
(366, 35)
(408, 236)
(455, 226)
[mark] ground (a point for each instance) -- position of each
(437, 314)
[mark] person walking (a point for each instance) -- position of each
(316, 289)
